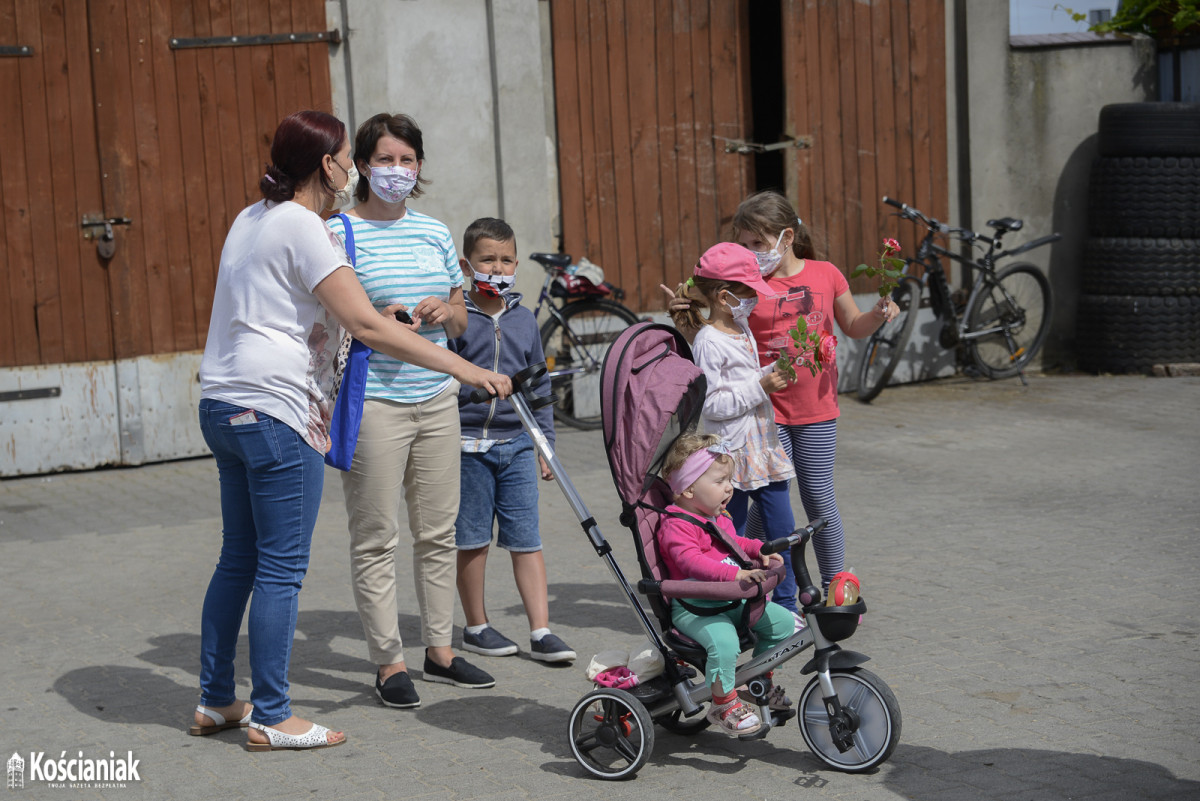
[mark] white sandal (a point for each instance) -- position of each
(734, 718)
(218, 722)
(316, 737)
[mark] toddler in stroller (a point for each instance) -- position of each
(698, 543)
(651, 392)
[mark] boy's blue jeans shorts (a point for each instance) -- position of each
(500, 485)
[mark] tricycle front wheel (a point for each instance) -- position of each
(873, 706)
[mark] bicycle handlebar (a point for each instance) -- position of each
(936, 226)
(910, 213)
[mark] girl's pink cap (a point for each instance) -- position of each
(729, 261)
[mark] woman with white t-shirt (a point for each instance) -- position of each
(408, 442)
(284, 284)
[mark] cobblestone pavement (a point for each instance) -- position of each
(1029, 556)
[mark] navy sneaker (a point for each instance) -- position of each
(488, 642)
(461, 673)
(398, 691)
(551, 649)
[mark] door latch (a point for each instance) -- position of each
(106, 245)
(745, 148)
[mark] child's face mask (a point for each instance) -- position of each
(741, 311)
(493, 286)
(768, 260)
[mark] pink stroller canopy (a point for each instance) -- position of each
(650, 391)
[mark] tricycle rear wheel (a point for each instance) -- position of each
(611, 734)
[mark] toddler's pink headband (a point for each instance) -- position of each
(694, 466)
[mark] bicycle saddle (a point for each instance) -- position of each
(1005, 224)
(554, 259)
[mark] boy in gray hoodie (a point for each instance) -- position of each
(499, 462)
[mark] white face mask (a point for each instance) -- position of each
(741, 312)
(493, 286)
(392, 184)
(345, 196)
(768, 260)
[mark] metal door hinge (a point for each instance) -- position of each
(333, 37)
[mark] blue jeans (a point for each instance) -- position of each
(773, 502)
(271, 482)
(500, 484)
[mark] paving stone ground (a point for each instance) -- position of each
(1029, 556)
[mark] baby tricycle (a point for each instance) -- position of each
(650, 392)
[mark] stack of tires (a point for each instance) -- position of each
(1141, 265)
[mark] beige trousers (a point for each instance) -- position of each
(406, 452)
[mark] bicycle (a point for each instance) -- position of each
(997, 331)
(576, 337)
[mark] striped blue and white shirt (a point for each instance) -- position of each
(404, 261)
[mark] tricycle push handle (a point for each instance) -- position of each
(795, 538)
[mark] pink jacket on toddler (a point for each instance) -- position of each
(690, 552)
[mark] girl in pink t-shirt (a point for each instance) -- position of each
(807, 410)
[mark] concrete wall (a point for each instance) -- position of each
(1032, 123)
(472, 74)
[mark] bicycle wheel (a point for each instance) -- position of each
(885, 347)
(870, 703)
(575, 353)
(611, 734)
(1007, 319)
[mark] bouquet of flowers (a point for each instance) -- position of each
(810, 349)
(891, 267)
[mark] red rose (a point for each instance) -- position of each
(827, 350)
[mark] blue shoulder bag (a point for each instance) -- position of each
(351, 391)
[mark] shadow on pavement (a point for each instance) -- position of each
(926, 773)
(915, 772)
(589, 606)
(123, 694)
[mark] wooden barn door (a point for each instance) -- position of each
(867, 80)
(647, 94)
(671, 112)
(54, 303)
(133, 132)
(138, 111)
(185, 118)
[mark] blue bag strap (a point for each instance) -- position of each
(349, 238)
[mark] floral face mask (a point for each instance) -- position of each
(392, 184)
(768, 260)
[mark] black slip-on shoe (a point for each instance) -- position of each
(461, 673)
(398, 691)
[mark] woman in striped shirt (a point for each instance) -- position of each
(408, 443)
